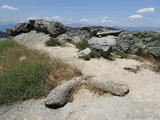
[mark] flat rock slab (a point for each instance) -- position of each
(109, 32)
(109, 86)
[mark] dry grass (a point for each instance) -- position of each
(61, 72)
(151, 59)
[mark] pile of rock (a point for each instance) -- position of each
(49, 27)
(99, 38)
(141, 43)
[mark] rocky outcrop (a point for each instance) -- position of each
(104, 45)
(141, 43)
(59, 96)
(49, 27)
(20, 28)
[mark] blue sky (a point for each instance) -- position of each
(99, 12)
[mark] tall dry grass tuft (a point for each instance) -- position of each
(61, 72)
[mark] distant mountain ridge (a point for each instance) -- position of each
(3, 35)
(129, 28)
(3, 27)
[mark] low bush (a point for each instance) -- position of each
(83, 44)
(87, 57)
(52, 42)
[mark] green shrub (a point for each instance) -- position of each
(95, 54)
(87, 57)
(110, 57)
(83, 44)
(6, 44)
(20, 80)
(120, 53)
(52, 42)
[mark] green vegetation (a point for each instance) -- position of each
(25, 79)
(32, 77)
(110, 57)
(95, 54)
(120, 53)
(87, 57)
(83, 44)
(52, 42)
(6, 44)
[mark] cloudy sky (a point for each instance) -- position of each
(97, 12)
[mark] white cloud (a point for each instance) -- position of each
(146, 10)
(104, 21)
(9, 7)
(136, 16)
(57, 18)
(84, 20)
(33, 18)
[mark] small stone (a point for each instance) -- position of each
(22, 58)
(84, 52)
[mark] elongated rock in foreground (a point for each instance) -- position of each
(109, 86)
(59, 96)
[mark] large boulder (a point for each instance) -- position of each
(141, 43)
(59, 96)
(104, 45)
(32, 38)
(82, 33)
(63, 39)
(20, 28)
(49, 27)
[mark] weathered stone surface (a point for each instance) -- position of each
(59, 96)
(84, 52)
(49, 27)
(140, 43)
(31, 38)
(109, 86)
(63, 39)
(79, 32)
(104, 44)
(20, 28)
